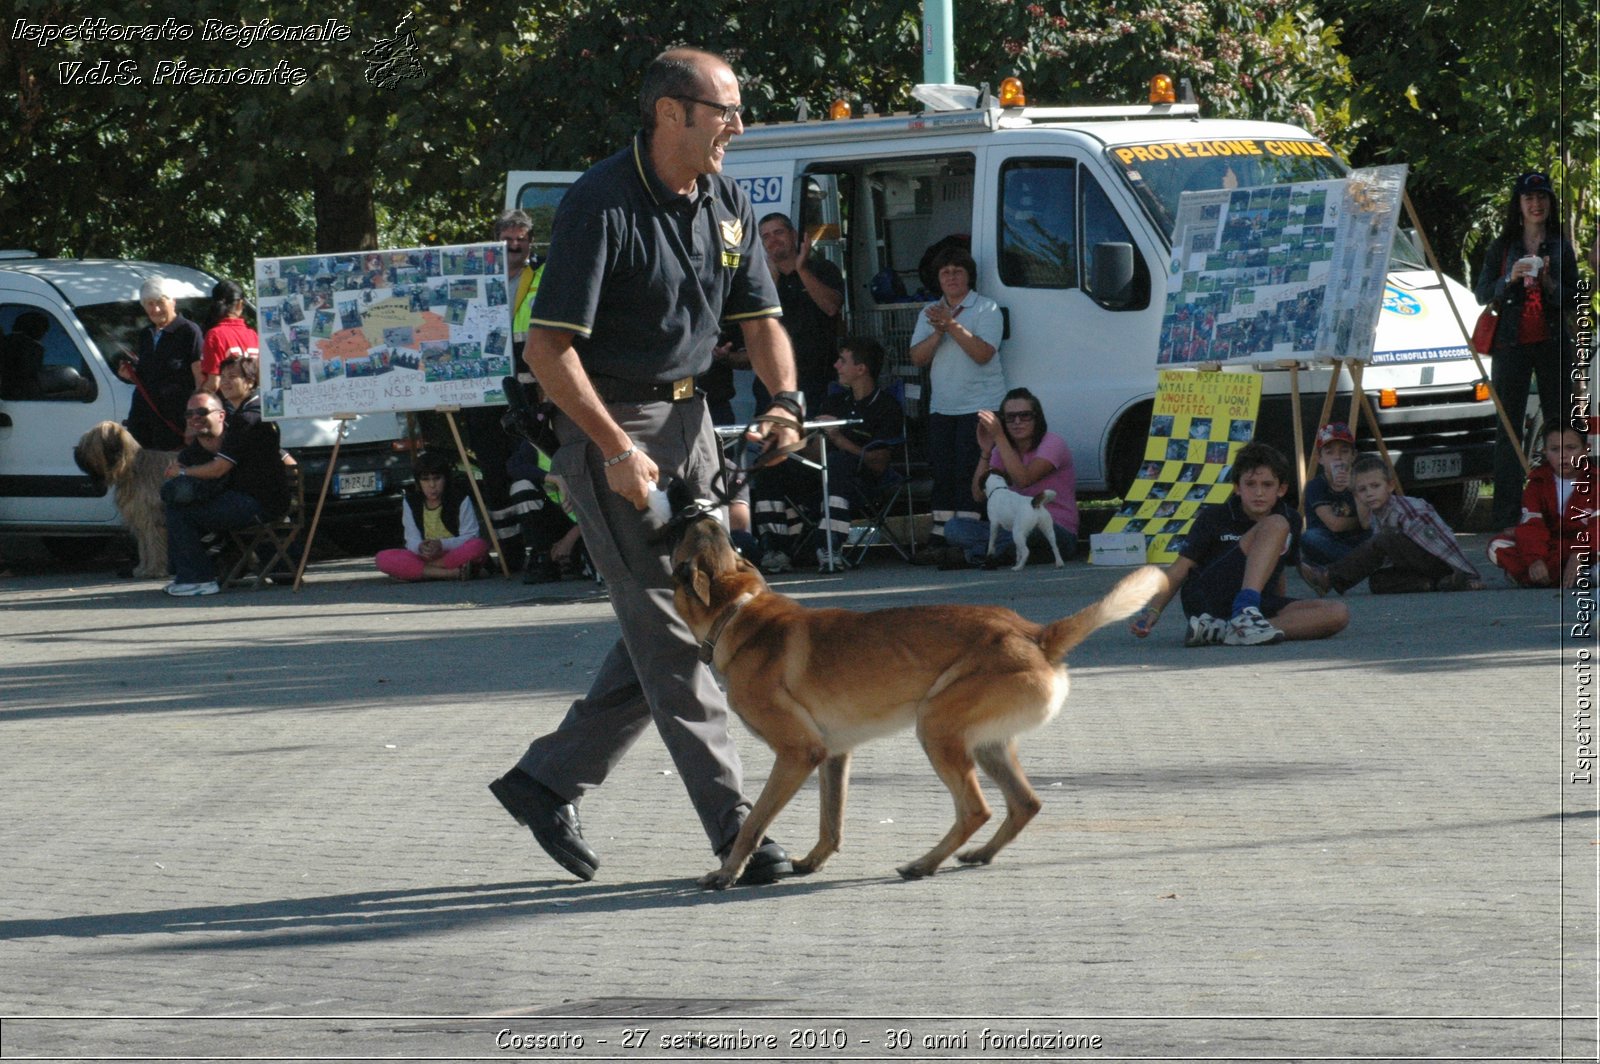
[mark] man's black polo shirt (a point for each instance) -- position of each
(645, 277)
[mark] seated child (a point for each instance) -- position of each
(1231, 567)
(441, 526)
(1558, 515)
(1411, 548)
(1332, 527)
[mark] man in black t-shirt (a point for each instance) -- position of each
(225, 478)
(811, 291)
(653, 250)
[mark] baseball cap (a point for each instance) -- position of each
(1532, 181)
(1335, 432)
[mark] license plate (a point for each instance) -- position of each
(1434, 466)
(356, 484)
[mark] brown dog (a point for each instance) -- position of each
(110, 455)
(814, 683)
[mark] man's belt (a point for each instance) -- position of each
(616, 390)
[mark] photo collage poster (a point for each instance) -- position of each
(1282, 272)
(1199, 422)
(409, 329)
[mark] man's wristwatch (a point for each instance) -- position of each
(793, 403)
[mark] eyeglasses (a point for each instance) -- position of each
(725, 111)
(199, 412)
(1018, 415)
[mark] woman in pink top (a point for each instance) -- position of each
(1018, 444)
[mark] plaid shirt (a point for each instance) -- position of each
(1421, 523)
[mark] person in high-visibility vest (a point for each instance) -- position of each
(491, 445)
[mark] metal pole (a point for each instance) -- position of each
(938, 42)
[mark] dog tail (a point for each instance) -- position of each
(1044, 498)
(1123, 601)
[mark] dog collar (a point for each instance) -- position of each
(708, 645)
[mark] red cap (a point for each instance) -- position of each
(1335, 432)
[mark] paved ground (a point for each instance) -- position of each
(256, 825)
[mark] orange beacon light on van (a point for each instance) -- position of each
(1161, 90)
(1011, 93)
(839, 109)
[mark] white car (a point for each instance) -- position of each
(92, 312)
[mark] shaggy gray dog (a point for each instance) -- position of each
(111, 456)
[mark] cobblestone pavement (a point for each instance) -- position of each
(256, 825)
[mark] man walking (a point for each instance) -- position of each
(652, 249)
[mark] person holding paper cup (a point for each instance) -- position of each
(1530, 275)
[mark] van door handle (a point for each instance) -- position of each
(5, 421)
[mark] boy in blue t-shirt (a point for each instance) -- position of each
(1333, 527)
(1232, 566)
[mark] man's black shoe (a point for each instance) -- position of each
(552, 819)
(768, 864)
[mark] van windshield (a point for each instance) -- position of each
(1159, 172)
(115, 327)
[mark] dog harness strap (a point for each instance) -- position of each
(708, 645)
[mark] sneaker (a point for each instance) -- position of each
(775, 561)
(188, 590)
(1250, 629)
(1205, 631)
(826, 566)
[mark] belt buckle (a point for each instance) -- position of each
(682, 388)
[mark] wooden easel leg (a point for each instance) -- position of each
(477, 496)
(1360, 405)
(1513, 432)
(322, 497)
(1294, 419)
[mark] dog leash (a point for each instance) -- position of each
(145, 395)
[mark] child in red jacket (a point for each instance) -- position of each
(1558, 515)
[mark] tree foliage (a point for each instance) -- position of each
(215, 174)
(1470, 94)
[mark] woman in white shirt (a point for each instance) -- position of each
(958, 338)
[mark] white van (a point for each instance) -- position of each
(1069, 213)
(91, 309)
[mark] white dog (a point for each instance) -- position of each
(1022, 515)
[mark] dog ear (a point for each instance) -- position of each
(692, 579)
(700, 583)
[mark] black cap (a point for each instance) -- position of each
(1533, 181)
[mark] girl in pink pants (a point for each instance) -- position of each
(441, 526)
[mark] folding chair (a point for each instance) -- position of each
(881, 503)
(273, 538)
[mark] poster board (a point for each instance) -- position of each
(406, 329)
(1282, 272)
(1199, 423)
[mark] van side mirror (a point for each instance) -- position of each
(64, 382)
(1113, 273)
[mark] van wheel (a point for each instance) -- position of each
(1126, 452)
(1456, 503)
